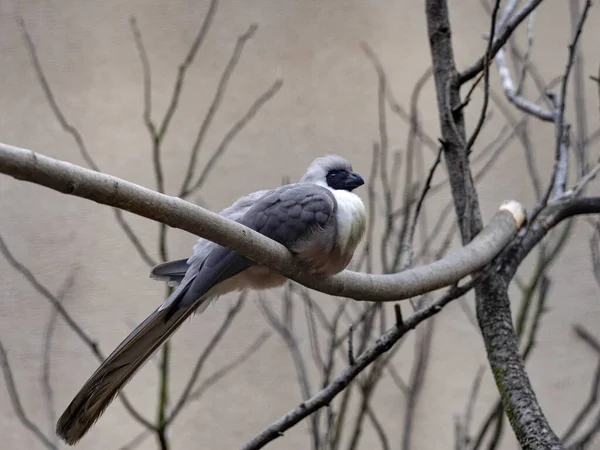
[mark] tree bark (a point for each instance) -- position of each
(493, 304)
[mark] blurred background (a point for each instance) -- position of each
(81, 82)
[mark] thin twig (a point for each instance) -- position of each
(350, 347)
(15, 399)
(154, 137)
(78, 138)
(233, 132)
(579, 98)
(417, 379)
(514, 96)
(405, 242)
(470, 407)
(486, 79)
(229, 367)
(47, 357)
(426, 187)
(214, 106)
(586, 408)
(559, 174)
(590, 403)
(185, 65)
(501, 39)
(80, 332)
(284, 328)
(227, 321)
(383, 344)
(587, 337)
(395, 107)
(147, 114)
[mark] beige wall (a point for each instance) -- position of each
(327, 104)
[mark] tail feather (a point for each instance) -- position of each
(171, 271)
(114, 373)
(193, 294)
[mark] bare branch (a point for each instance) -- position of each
(463, 436)
(426, 187)
(284, 327)
(588, 338)
(187, 62)
(40, 288)
(184, 397)
(594, 395)
(515, 97)
(80, 332)
(526, 58)
(579, 97)
(210, 381)
(233, 132)
(559, 175)
(417, 379)
(522, 131)
(66, 126)
(46, 356)
(234, 364)
(392, 103)
(147, 77)
(136, 441)
(383, 344)
(16, 402)
(503, 36)
(214, 106)
(147, 83)
(78, 138)
(133, 238)
(554, 214)
(595, 250)
(493, 305)
(177, 213)
(486, 79)
(569, 66)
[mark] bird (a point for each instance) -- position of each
(319, 219)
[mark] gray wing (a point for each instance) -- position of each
(289, 215)
(173, 272)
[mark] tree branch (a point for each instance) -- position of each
(62, 311)
(238, 126)
(493, 305)
(101, 188)
(505, 33)
(384, 343)
(78, 138)
(214, 106)
(16, 402)
(547, 220)
(185, 394)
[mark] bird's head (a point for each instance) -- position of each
(334, 172)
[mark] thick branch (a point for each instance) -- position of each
(493, 305)
(547, 220)
(175, 212)
(452, 122)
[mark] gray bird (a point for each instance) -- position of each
(319, 219)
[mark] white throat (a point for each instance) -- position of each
(351, 220)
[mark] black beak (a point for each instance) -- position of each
(353, 181)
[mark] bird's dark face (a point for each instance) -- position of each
(344, 180)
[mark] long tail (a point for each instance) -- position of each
(112, 375)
